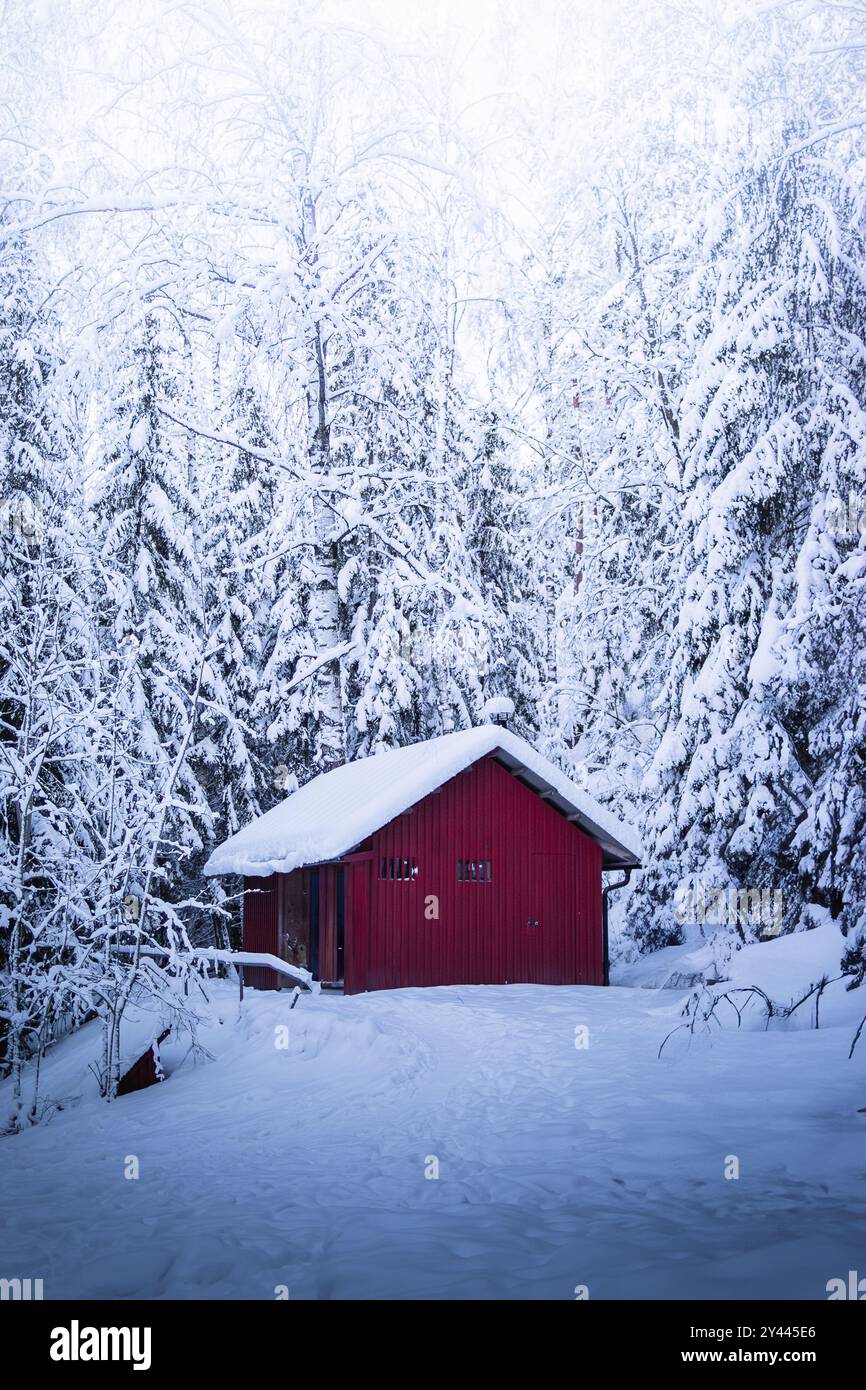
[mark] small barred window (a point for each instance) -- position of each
(400, 870)
(474, 870)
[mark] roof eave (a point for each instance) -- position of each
(614, 855)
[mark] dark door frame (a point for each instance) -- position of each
(341, 923)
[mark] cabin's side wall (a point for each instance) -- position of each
(537, 919)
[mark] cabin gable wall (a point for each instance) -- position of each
(534, 915)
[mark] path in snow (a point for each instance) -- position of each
(558, 1166)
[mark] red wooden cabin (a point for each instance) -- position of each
(467, 859)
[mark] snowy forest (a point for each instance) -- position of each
(361, 369)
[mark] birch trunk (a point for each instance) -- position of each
(324, 599)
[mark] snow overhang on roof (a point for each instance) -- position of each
(338, 810)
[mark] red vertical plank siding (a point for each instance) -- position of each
(356, 926)
(544, 869)
(328, 922)
(593, 933)
(260, 929)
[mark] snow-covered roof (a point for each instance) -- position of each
(339, 809)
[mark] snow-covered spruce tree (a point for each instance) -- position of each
(321, 318)
(594, 324)
(501, 549)
(372, 574)
(435, 638)
(403, 679)
(612, 623)
(238, 513)
(813, 650)
(49, 701)
(284, 706)
(613, 613)
(153, 622)
(453, 618)
(728, 796)
(388, 603)
(540, 366)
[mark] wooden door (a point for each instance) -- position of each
(294, 920)
(328, 913)
(550, 929)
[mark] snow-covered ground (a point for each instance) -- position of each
(559, 1165)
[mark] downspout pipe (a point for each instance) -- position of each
(610, 888)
